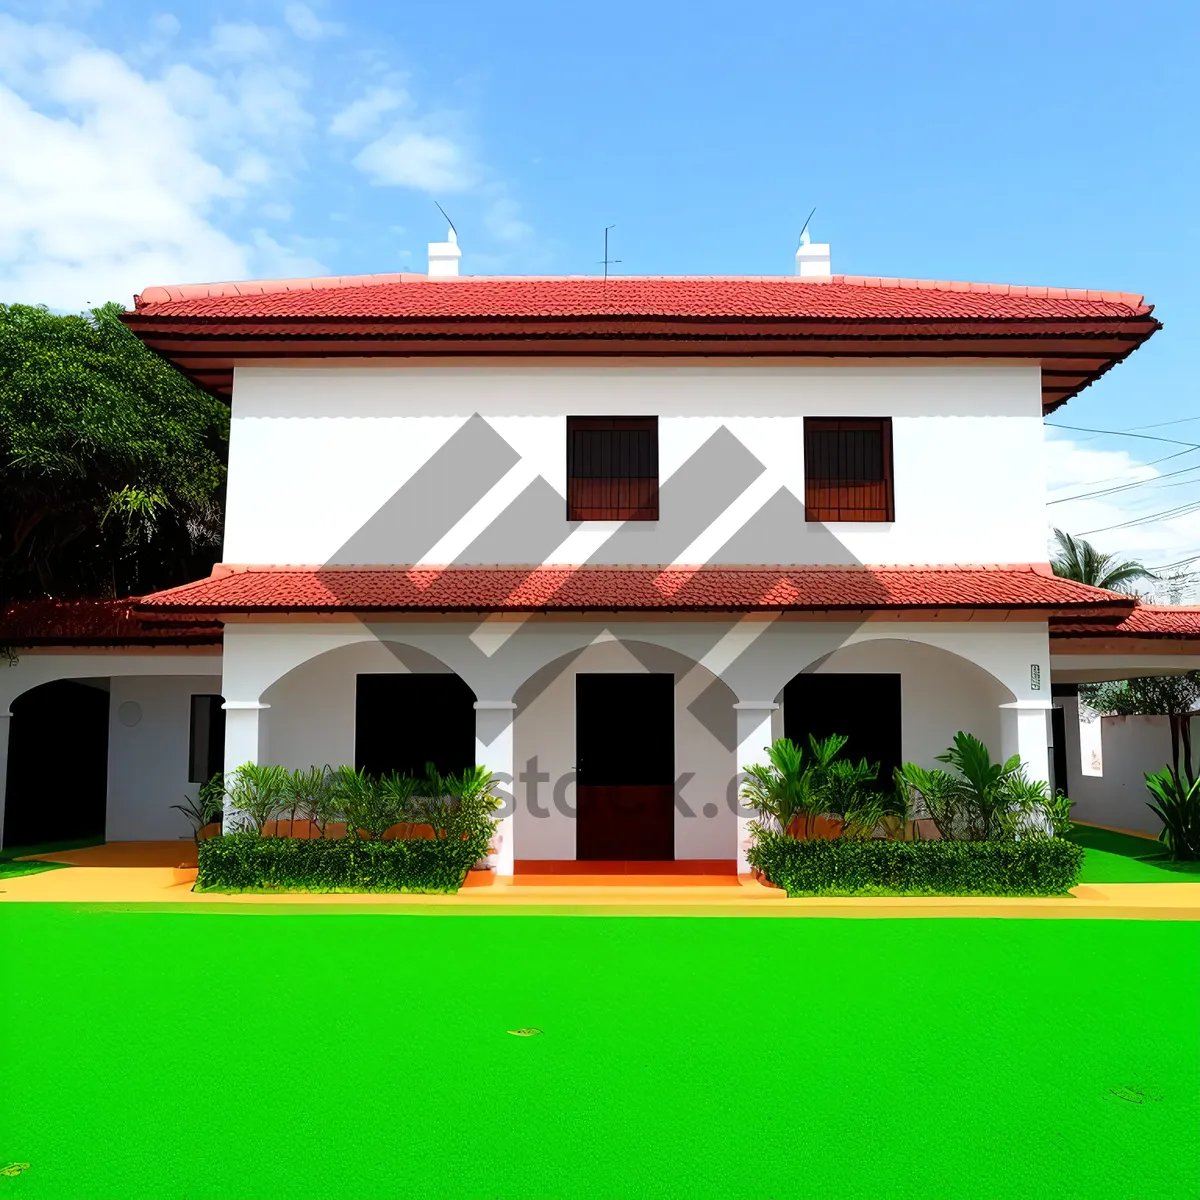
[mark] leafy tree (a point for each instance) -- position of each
(1172, 696)
(113, 462)
(1081, 561)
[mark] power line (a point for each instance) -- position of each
(1124, 433)
(1182, 511)
(1161, 424)
(1124, 487)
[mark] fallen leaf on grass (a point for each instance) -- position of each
(1132, 1094)
(524, 1032)
(14, 1169)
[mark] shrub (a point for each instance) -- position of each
(371, 806)
(1035, 866)
(1178, 808)
(981, 800)
(795, 783)
(207, 806)
(245, 861)
(257, 793)
(310, 793)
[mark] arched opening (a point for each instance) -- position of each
(57, 789)
(895, 699)
(624, 751)
(378, 705)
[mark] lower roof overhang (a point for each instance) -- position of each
(995, 592)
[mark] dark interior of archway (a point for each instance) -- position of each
(404, 721)
(57, 765)
(865, 707)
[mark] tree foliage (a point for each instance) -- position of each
(114, 463)
(1081, 561)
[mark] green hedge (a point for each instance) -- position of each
(246, 862)
(1035, 866)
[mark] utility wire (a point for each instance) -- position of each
(1124, 487)
(1182, 511)
(1125, 433)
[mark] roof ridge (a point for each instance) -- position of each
(176, 292)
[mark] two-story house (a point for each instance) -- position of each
(610, 537)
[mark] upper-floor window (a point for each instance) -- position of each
(612, 468)
(848, 469)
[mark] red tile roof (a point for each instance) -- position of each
(664, 589)
(1075, 335)
(100, 623)
(844, 297)
(1146, 620)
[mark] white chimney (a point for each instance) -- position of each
(812, 260)
(444, 256)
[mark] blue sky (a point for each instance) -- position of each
(1048, 143)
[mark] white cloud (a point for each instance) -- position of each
(277, 210)
(305, 23)
(274, 260)
(112, 180)
(240, 41)
(165, 25)
(502, 220)
(409, 158)
(360, 117)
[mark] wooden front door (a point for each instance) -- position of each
(625, 758)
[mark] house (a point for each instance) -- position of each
(607, 537)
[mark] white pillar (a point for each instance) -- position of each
(753, 738)
(494, 750)
(241, 741)
(5, 723)
(1024, 731)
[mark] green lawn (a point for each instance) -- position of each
(172, 1054)
(1118, 858)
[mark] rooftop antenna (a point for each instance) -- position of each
(606, 260)
(804, 238)
(451, 223)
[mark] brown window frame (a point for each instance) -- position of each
(614, 483)
(844, 498)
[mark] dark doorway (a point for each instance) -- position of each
(206, 738)
(625, 757)
(401, 722)
(1058, 759)
(58, 723)
(866, 708)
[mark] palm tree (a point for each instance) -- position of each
(1081, 561)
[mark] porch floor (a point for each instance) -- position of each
(146, 872)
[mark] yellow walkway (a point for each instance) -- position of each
(145, 872)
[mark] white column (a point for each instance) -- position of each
(241, 741)
(5, 723)
(753, 738)
(1024, 731)
(494, 750)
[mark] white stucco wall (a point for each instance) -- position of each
(1131, 746)
(316, 453)
(148, 761)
